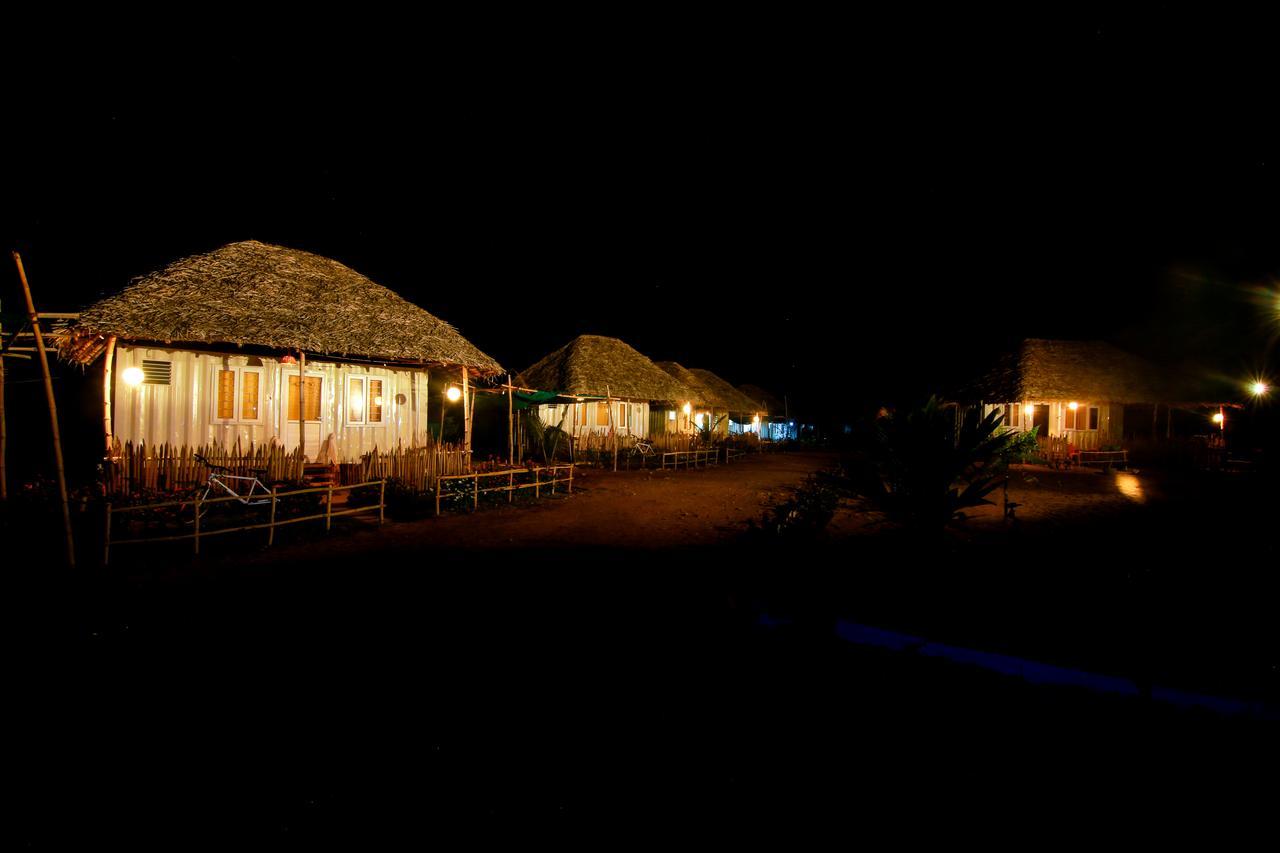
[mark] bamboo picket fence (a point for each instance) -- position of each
(137, 469)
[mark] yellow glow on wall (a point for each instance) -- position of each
(132, 376)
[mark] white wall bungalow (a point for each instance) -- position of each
(212, 349)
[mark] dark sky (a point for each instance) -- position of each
(808, 205)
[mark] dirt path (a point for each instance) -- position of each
(628, 509)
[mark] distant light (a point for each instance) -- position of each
(687, 408)
(1029, 409)
(671, 414)
(793, 423)
(132, 376)
(1073, 405)
(698, 419)
(756, 420)
(1259, 388)
(1218, 417)
(453, 393)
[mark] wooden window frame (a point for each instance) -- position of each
(237, 389)
(284, 395)
(364, 381)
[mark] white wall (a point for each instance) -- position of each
(183, 411)
(635, 423)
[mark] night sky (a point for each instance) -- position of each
(842, 211)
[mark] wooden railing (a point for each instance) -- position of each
(198, 507)
(511, 486)
(691, 458)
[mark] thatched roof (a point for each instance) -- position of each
(764, 400)
(1073, 370)
(593, 366)
(263, 295)
(728, 397)
(700, 395)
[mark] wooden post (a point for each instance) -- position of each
(466, 415)
(613, 434)
(108, 357)
(537, 484)
(511, 423)
(475, 496)
(382, 501)
(571, 478)
(271, 528)
(53, 409)
(302, 414)
(328, 509)
(4, 435)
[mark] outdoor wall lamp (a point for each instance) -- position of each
(453, 393)
(132, 376)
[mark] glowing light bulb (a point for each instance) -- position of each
(1259, 388)
(1029, 409)
(687, 408)
(1073, 405)
(454, 393)
(1218, 418)
(132, 376)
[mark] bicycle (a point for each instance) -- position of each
(257, 492)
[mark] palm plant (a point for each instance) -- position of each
(707, 428)
(930, 468)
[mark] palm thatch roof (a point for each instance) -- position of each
(729, 398)
(1074, 370)
(263, 295)
(596, 366)
(765, 401)
(699, 394)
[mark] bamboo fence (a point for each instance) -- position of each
(134, 469)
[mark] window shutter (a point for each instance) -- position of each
(156, 372)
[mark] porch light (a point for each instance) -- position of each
(687, 408)
(132, 376)
(1218, 417)
(1259, 388)
(454, 393)
(1073, 405)
(1029, 409)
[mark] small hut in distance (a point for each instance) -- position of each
(603, 386)
(680, 419)
(1076, 390)
(774, 423)
(739, 409)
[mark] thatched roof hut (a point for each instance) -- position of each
(728, 397)
(766, 402)
(253, 293)
(596, 366)
(699, 394)
(1066, 370)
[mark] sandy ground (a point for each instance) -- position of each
(627, 509)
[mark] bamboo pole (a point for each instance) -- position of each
(511, 421)
(53, 409)
(271, 528)
(4, 430)
(108, 359)
(466, 412)
(302, 413)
